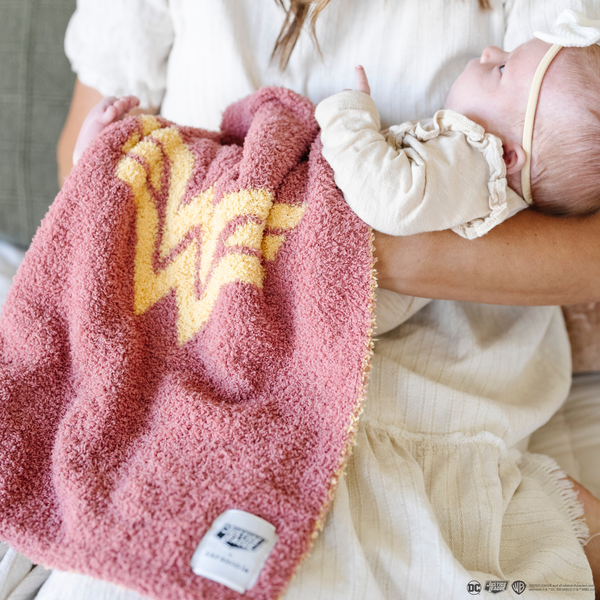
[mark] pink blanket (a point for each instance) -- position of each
(190, 332)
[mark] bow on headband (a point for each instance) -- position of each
(572, 29)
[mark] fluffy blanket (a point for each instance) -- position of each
(190, 332)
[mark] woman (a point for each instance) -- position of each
(194, 59)
(153, 66)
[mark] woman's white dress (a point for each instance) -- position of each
(440, 489)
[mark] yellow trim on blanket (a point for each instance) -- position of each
(198, 222)
(354, 417)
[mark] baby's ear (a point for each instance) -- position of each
(514, 157)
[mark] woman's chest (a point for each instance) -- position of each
(412, 52)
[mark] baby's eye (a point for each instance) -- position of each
(502, 69)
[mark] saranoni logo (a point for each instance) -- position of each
(236, 537)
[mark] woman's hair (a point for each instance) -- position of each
(566, 145)
(296, 14)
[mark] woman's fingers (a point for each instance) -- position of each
(362, 84)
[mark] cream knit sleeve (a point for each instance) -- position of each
(382, 185)
(443, 173)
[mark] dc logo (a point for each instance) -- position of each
(518, 587)
(474, 587)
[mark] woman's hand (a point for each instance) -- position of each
(530, 259)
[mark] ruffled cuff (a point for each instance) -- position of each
(503, 201)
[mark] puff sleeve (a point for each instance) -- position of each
(121, 47)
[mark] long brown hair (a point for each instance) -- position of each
(295, 17)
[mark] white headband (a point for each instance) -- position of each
(572, 29)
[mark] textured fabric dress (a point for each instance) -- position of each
(456, 384)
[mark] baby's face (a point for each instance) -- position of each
(493, 89)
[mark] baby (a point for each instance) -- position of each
(471, 166)
(468, 168)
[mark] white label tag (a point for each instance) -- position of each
(234, 549)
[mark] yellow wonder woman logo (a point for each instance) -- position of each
(256, 207)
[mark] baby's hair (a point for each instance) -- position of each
(566, 147)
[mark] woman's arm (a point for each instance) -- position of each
(530, 259)
(84, 99)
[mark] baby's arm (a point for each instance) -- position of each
(103, 114)
(382, 185)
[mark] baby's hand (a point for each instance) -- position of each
(362, 84)
(103, 114)
(112, 109)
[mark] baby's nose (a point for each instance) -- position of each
(493, 54)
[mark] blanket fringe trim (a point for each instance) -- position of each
(354, 417)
